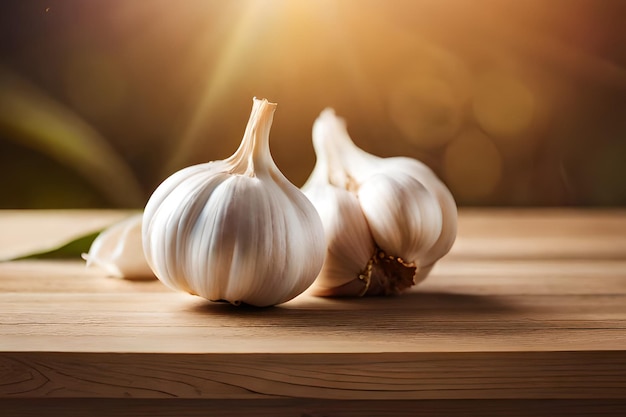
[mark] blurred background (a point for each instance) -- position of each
(511, 103)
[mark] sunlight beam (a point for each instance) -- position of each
(233, 52)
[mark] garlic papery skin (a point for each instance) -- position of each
(235, 230)
(407, 218)
(118, 251)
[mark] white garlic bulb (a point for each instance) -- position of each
(387, 220)
(236, 229)
(118, 251)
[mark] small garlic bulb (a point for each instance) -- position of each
(118, 251)
(386, 220)
(236, 229)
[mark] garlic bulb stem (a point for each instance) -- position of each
(335, 149)
(253, 152)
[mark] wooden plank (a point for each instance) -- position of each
(28, 231)
(529, 308)
(519, 233)
(67, 308)
(541, 234)
(415, 323)
(350, 376)
(66, 276)
(458, 276)
(80, 407)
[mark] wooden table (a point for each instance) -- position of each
(526, 316)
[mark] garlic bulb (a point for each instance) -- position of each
(236, 229)
(387, 220)
(118, 250)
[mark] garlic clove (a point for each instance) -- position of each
(235, 230)
(348, 238)
(404, 218)
(446, 201)
(118, 251)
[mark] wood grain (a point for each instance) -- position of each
(529, 308)
(348, 376)
(566, 234)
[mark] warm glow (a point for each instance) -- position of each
(503, 105)
(426, 110)
(473, 166)
(469, 87)
(94, 83)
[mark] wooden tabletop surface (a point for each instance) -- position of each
(527, 313)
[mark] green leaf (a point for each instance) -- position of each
(32, 119)
(70, 250)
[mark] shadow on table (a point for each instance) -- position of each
(423, 301)
(417, 311)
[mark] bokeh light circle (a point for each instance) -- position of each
(426, 110)
(472, 166)
(502, 104)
